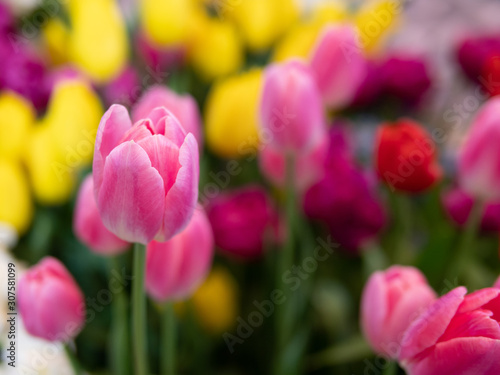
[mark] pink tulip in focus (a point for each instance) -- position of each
(183, 107)
(291, 111)
(479, 161)
(497, 284)
(339, 65)
(145, 175)
(50, 302)
(457, 335)
(88, 226)
(174, 269)
(391, 300)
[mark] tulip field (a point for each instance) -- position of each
(243, 187)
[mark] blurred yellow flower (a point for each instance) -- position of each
(98, 41)
(15, 201)
(17, 116)
(216, 301)
(55, 35)
(231, 115)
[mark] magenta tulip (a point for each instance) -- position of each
(145, 175)
(391, 300)
(457, 335)
(338, 65)
(479, 160)
(88, 226)
(124, 89)
(174, 269)
(50, 302)
(183, 107)
(291, 112)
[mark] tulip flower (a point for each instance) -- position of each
(291, 113)
(473, 55)
(338, 65)
(241, 221)
(478, 163)
(175, 269)
(160, 58)
(124, 89)
(88, 226)
(183, 107)
(145, 175)
(497, 283)
(50, 302)
(406, 157)
(235, 97)
(457, 334)
(391, 301)
(459, 205)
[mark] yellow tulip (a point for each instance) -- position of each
(216, 301)
(231, 116)
(15, 201)
(98, 42)
(216, 49)
(56, 35)
(17, 115)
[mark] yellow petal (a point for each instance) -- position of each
(231, 116)
(98, 39)
(15, 200)
(17, 115)
(56, 36)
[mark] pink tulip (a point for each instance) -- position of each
(88, 226)
(183, 107)
(457, 335)
(391, 300)
(174, 269)
(479, 161)
(339, 65)
(50, 302)
(145, 175)
(291, 112)
(497, 283)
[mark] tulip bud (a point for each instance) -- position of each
(457, 334)
(174, 269)
(479, 161)
(497, 283)
(291, 111)
(124, 89)
(473, 55)
(50, 302)
(338, 65)
(406, 157)
(391, 300)
(88, 226)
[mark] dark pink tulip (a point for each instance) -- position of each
(145, 175)
(479, 159)
(459, 205)
(50, 302)
(88, 226)
(159, 60)
(473, 55)
(457, 335)
(124, 89)
(391, 301)
(183, 107)
(242, 220)
(338, 65)
(174, 269)
(291, 112)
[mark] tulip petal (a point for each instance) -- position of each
(477, 299)
(142, 129)
(497, 284)
(374, 308)
(476, 323)
(131, 199)
(156, 115)
(173, 130)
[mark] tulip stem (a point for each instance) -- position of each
(391, 368)
(403, 253)
(77, 369)
(139, 327)
(168, 340)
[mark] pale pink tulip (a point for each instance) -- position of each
(291, 112)
(479, 160)
(457, 335)
(183, 107)
(50, 302)
(88, 226)
(145, 175)
(339, 65)
(391, 301)
(174, 269)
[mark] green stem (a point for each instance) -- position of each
(77, 369)
(139, 327)
(466, 243)
(119, 342)
(391, 369)
(403, 251)
(168, 340)
(373, 259)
